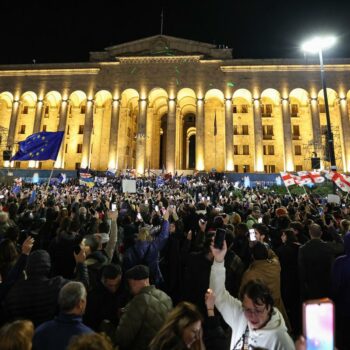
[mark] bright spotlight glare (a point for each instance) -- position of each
(318, 44)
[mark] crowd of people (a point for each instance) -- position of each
(97, 268)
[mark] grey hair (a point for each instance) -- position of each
(70, 295)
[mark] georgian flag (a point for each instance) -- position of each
(288, 179)
(316, 177)
(304, 178)
(342, 181)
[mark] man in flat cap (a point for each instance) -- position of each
(144, 314)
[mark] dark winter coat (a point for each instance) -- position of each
(56, 334)
(35, 298)
(148, 251)
(143, 317)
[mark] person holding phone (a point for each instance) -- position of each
(254, 319)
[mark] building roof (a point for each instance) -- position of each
(162, 45)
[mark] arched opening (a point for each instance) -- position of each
(189, 134)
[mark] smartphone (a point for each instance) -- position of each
(260, 220)
(208, 198)
(156, 208)
(139, 216)
(114, 206)
(219, 238)
(252, 236)
(318, 324)
(320, 210)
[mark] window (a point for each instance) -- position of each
(234, 109)
(44, 127)
(25, 110)
(79, 148)
(40, 165)
(269, 168)
(235, 130)
(82, 109)
(245, 130)
(81, 129)
(66, 148)
(296, 132)
(245, 150)
(46, 113)
(267, 132)
(22, 129)
(322, 108)
(235, 149)
(17, 164)
(77, 166)
(323, 129)
(294, 110)
(246, 168)
(236, 168)
(244, 109)
(269, 150)
(266, 110)
(68, 130)
(297, 150)
(298, 168)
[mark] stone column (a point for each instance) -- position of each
(113, 137)
(62, 126)
(141, 137)
(258, 136)
(13, 123)
(229, 134)
(287, 136)
(345, 123)
(171, 136)
(200, 135)
(187, 153)
(88, 125)
(38, 115)
(316, 126)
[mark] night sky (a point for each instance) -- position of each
(66, 31)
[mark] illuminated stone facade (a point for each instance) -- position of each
(155, 102)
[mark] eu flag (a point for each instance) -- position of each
(40, 146)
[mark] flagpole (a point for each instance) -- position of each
(48, 183)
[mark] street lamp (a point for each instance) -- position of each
(317, 45)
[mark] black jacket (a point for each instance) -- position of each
(35, 297)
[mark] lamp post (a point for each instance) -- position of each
(317, 45)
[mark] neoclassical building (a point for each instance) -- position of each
(169, 102)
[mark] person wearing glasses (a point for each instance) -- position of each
(254, 320)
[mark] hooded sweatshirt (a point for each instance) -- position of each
(35, 296)
(273, 335)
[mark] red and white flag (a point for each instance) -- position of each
(303, 178)
(288, 179)
(342, 181)
(316, 177)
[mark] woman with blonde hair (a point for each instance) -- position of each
(145, 250)
(182, 330)
(17, 335)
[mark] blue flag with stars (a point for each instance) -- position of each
(40, 146)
